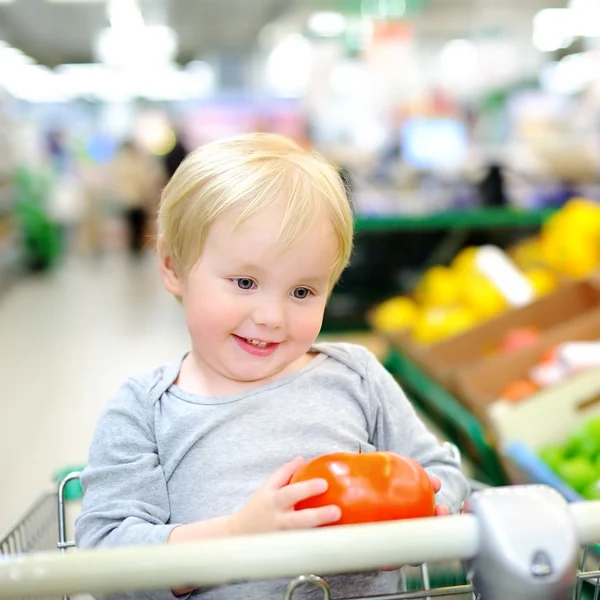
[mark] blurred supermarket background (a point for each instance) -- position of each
(467, 131)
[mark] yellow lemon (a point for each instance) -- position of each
(395, 314)
(438, 287)
(482, 297)
(578, 217)
(573, 255)
(465, 260)
(459, 319)
(438, 323)
(429, 325)
(542, 280)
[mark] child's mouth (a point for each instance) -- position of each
(256, 347)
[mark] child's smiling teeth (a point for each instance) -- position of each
(257, 343)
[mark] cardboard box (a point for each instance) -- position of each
(481, 384)
(549, 417)
(446, 360)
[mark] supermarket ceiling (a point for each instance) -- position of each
(62, 31)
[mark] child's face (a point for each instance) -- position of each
(253, 308)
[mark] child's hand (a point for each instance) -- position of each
(271, 508)
(441, 510)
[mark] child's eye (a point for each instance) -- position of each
(244, 283)
(301, 293)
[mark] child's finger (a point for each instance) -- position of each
(312, 517)
(441, 510)
(282, 476)
(436, 483)
(290, 495)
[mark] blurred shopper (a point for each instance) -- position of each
(58, 151)
(65, 203)
(492, 188)
(175, 157)
(66, 207)
(135, 178)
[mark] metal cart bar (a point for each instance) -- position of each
(556, 526)
(268, 556)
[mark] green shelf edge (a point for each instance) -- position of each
(465, 219)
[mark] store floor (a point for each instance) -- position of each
(68, 340)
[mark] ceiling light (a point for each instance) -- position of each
(74, 1)
(556, 28)
(553, 29)
(585, 5)
(585, 16)
(459, 55)
(289, 65)
(327, 23)
(154, 45)
(125, 14)
(460, 67)
(36, 83)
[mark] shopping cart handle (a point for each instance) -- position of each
(219, 561)
(343, 549)
(586, 519)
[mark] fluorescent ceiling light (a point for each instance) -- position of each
(35, 83)
(584, 5)
(459, 55)
(289, 65)
(13, 62)
(154, 45)
(74, 1)
(553, 29)
(13, 56)
(39, 84)
(125, 14)
(327, 23)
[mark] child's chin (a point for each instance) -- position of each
(256, 375)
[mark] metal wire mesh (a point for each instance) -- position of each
(35, 531)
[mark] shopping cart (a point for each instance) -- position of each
(517, 543)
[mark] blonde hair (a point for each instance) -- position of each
(251, 173)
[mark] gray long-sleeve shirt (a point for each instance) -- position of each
(162, 457)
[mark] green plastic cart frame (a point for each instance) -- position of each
(464, 429)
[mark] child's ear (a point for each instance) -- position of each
(169, 276)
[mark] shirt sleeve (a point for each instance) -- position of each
(125, 499)
(397, 428)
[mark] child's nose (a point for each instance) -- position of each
(269, 313)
